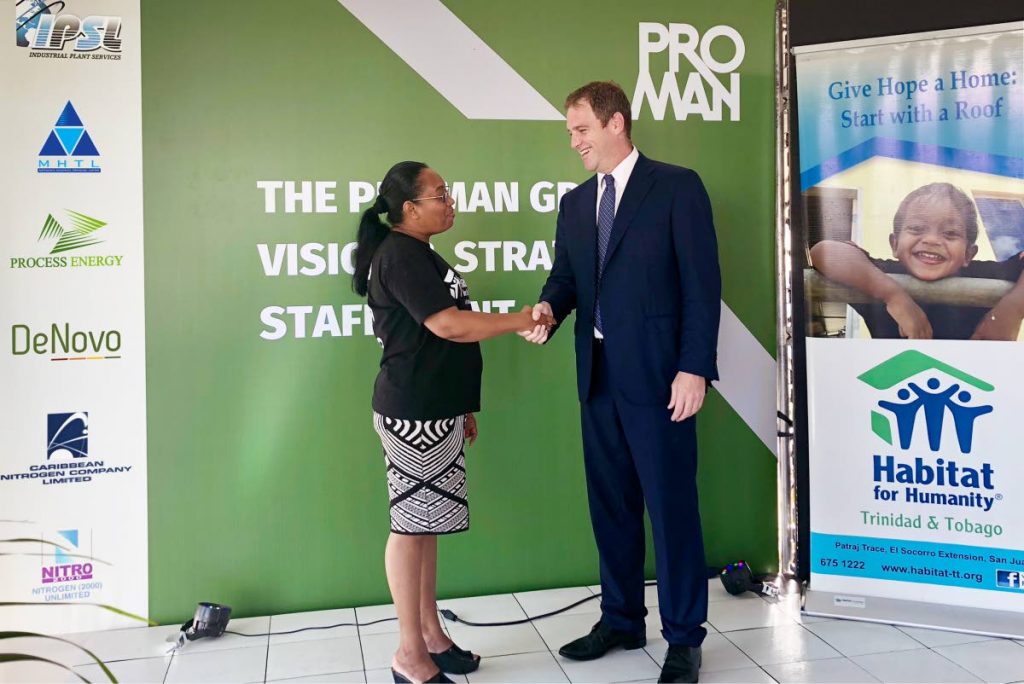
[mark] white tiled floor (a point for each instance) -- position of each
(749, 640)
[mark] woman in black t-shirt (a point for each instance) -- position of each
(424, 399)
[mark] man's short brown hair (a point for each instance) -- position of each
(605, 98)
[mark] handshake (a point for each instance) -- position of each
(540, 319)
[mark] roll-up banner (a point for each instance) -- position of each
(911, 156)
(73, 486)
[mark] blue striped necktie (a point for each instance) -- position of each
(605, 220)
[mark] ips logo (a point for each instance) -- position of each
(65, 567)
(947, 391)
(709, 85)
(68, 145)
(38, 27)
(67, 435)
(1010, 579)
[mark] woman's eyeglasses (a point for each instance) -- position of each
(443, 197)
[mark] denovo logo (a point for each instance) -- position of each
(69, 147)
(946, 391)
(67, 435)
(704, 89)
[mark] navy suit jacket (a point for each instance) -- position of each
(661, 287)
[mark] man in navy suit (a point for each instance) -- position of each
(637, 258)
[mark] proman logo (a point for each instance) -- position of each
(956, 396)
(704, 92)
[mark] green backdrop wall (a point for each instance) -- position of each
(267, 487)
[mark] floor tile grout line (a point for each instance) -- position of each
(266, 658)
(542, 639)
(167, 670)
(359, 640)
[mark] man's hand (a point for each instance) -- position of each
(471, 429)
(1001, 323)
(911, 319)
(687, 395)
(544, 318)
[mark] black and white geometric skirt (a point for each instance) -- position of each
(426, 474)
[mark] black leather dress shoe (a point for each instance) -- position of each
(682, 664)
(601, 640)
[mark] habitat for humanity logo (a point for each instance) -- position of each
(79, 232)
(65, 568)
(927, 479)
(933, 402)
(41, 27)
(68, 145)
(704, 92)
(67, 460)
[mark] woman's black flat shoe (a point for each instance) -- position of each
(456, 661)
(439, 678)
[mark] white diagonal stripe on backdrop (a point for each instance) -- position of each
(481, 85)
(748, 378)
(453, 59)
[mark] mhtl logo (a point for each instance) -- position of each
(67, 435)
(66, 146)
(932, 401)
(39, 29)
(683, 39)
(64, 569)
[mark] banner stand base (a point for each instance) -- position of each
(995, 623)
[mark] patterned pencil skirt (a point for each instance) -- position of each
(426, 474)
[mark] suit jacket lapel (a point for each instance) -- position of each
(588, 223)
(640, 182)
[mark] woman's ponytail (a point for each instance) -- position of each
(400, 184)
(372, 232)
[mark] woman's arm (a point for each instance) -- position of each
(457, 325)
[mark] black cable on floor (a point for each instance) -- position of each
(445, 612)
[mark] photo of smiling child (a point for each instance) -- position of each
(934, 237)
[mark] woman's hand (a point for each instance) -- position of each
(471, 429)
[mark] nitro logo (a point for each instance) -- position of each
(67, 435)
(930, 405)
(704, 89)
(64, 568)
(1010, 579)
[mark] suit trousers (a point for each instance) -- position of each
(636, 456)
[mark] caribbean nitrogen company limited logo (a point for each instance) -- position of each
(69, 147)
(918, 394)
(68, 460)
(77, 232)
(47, 31)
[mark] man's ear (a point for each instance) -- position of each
(971, 252)
(893, 239)
(618, 121)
